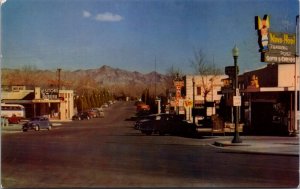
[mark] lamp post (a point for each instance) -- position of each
(235, 54)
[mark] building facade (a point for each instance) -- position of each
(51, 102)
(271, 99)
(193, 91)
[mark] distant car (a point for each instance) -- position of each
(98, 112)
(166, 124)
(37, 123)
(92, 113)
(81, 116)
(105, 105)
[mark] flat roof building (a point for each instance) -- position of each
(50, 102)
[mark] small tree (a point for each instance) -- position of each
(205, 69)
(172, 74)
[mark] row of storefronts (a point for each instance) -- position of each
(267, 99)
(51, 102)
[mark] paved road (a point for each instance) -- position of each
(108, 152)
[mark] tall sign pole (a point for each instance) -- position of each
(296, 77)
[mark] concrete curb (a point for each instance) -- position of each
(224, 144)
(228, 147)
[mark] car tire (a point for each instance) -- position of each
(24, 130)
(148, 133)
(36, 128)
(161, 133)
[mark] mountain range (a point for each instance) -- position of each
(107, 75)
(119, 80)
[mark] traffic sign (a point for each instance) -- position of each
(230, 70)
(237, 101)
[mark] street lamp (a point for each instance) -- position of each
(235, 54)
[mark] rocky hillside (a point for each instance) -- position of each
(118, 80)
(108, 75)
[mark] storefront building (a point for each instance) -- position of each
(51, 102)
(200, 90)
(269, 99)
(193, 91)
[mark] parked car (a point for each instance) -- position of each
(166, 124)
(37, 123)
(81, 116)
(98, 112)
(105, 105)
(143, 118)
(92, 113)
(14, 119)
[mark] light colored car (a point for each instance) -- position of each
(105, 105)
(99, 112)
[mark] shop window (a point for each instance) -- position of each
(198, 90)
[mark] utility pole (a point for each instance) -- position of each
(155, 78)
(58, 74)
(296, 78)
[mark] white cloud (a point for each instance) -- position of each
(108, 17)
(2, 1)
(86, 14)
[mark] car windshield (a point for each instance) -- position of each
(35, 119)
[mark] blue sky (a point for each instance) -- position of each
(131, 34)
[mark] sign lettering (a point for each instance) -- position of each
(282, 38)
(50, 94)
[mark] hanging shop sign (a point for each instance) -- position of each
(275, 47)
(281, 48)
(178, 85)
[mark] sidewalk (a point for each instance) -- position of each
(273, 145)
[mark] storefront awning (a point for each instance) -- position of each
(30, 101)
(267, 89)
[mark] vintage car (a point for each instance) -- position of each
(81, 116)
(37, 123)
(166, 124)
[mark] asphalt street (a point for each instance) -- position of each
(109, 152)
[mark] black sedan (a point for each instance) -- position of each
(81, 116)
(166, 124)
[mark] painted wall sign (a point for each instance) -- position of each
(50, 94)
